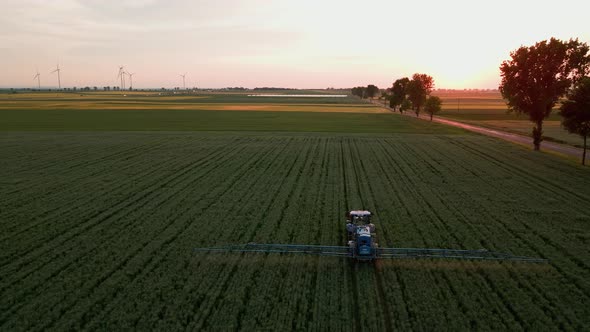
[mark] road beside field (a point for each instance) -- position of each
(563, 149)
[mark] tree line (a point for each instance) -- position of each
(406, 94)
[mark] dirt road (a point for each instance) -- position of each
(545, 145)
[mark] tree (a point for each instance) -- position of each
(359, 91)
(432, 105)
(372, 91)
(406, 105)
(399, 92)
(537, 76)
(385, 96)
(418, 90)
(576, 112)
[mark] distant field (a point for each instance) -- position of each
(83, 105)
(216, 112)
(489, 110)
(471, 100)
(190, 120)
(478, 106)
(150, 100)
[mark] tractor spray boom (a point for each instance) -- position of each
(362, 246)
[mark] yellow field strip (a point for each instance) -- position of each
(57, 105)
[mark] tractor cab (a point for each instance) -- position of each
(358, 217)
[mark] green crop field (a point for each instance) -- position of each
(189, 120)
(98, 224)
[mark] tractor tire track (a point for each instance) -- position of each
(356, 312)
(380, 290)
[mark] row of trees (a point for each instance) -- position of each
(369, 91)
(537, 77)
(406, 94)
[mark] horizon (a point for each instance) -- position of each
(114, 88)
(271, 44)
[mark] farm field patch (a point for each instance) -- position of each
(98, 229)
(84, 105)
(191, 120)
(157, 100)
(122, 106)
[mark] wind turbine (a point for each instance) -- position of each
(38, 77)
(130, 80)
(58, 77)
(183, 84)
(122, 76)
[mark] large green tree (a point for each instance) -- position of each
(418, 90)
(576, 112)
(432, 106)
(537, 76)
(399, 93)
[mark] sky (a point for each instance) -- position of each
(256, 43)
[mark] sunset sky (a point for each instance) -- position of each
(303, 44)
